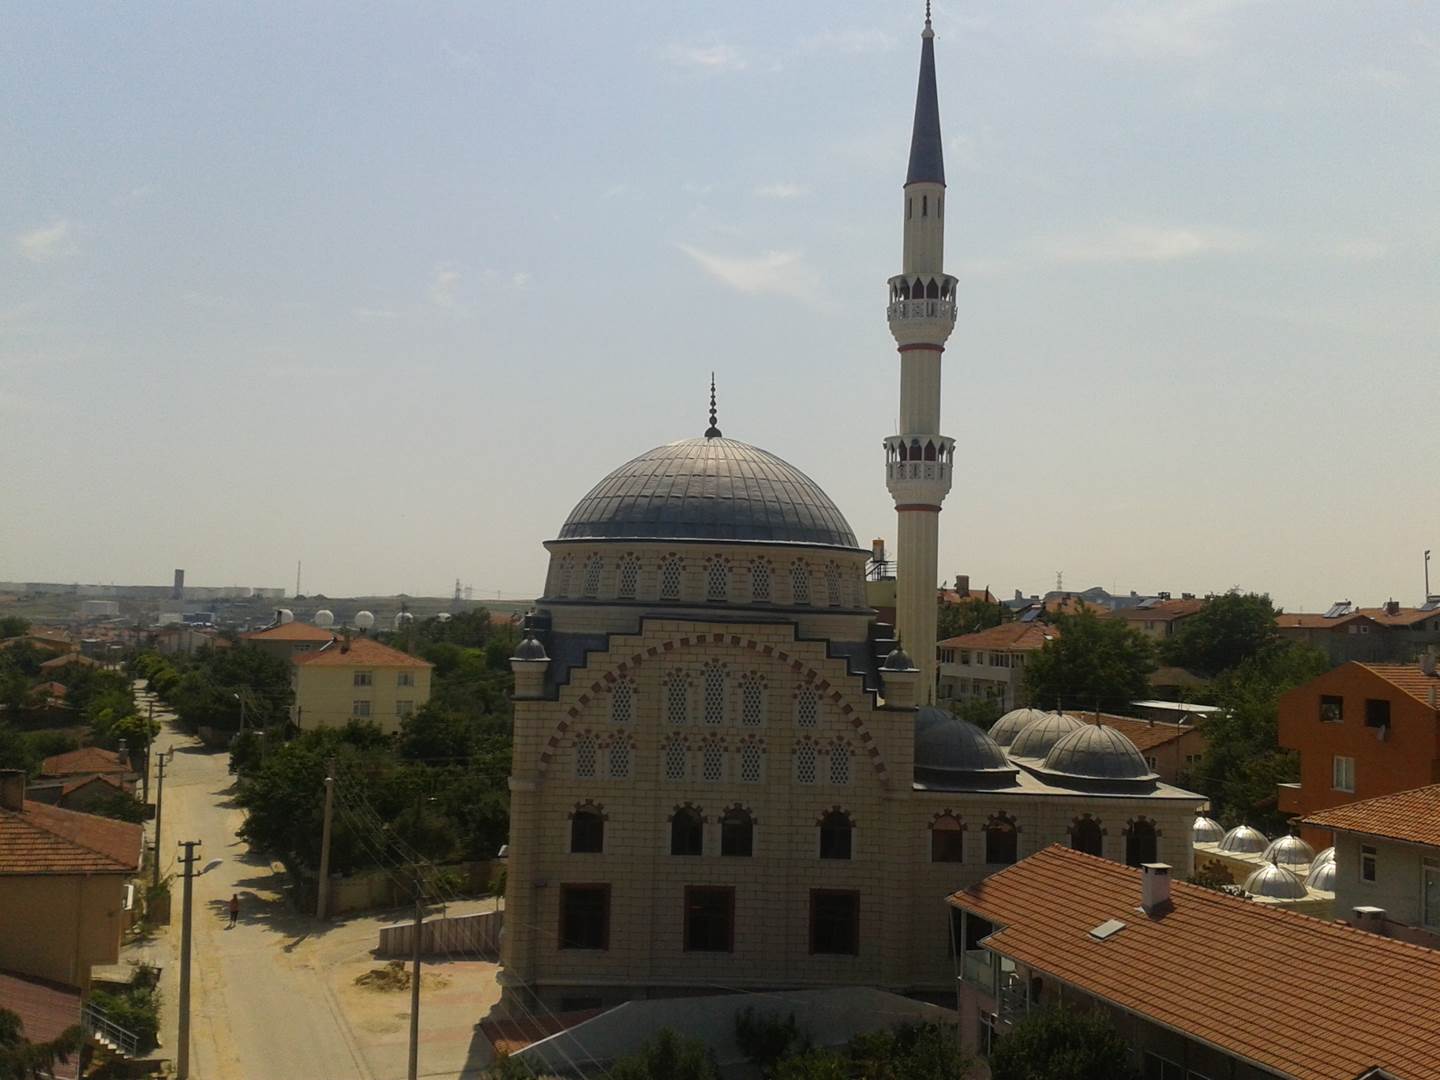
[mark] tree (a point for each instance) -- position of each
(13, 626)
(21, 1059)
(1062, 1044)
(1227, 631)
(1091, 663)
(982, 711)
(668, 1056)
(765, 1038)
(965, 617)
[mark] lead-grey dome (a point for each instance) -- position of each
(950, 749)
(1004, 730)
(1244, 839)
(1322, 876)
(1097, 752)
(709, 489)
(1325, 855)
(1275, 882)
(1290, 852)
(530, 649)
(1039, 736)
(1207, 830)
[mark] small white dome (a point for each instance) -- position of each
(1207, 830)
(324, 617)
(403, 618)
(1275, 882)
(1291, 852)
(1245, 840)
(444, 616)
(1322, 876)
(1325, 856)
(1004, 730)
(284, 615)
(365, 619)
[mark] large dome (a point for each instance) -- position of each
(1275, 882)
(1004, 730)
(1290, 852)
(1244, 840)
(948, 748)
(1038, 737)
(1096, 752)
(709, 489)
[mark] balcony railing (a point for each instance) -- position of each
(977, 967)
(105, 1031)
(921, 309)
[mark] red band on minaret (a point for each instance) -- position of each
(902, 507)
(921, 345)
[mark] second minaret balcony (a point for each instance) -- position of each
(922, 308)
(919, 468)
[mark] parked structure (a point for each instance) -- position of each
(1200, 984)
(989, 665)
(356, 678)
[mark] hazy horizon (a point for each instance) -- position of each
(388, 293)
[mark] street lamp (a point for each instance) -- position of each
(240, 699)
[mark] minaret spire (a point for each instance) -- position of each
(712, 432)
(927, 159)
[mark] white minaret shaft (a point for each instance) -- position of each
(918, 459)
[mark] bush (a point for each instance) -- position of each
(1062, 1044)
(136, 1009)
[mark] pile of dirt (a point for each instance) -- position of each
(395, 976)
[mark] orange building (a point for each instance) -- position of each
(1361, 730)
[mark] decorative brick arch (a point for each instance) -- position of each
(827, 692)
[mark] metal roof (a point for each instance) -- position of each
(946, 744)
(709, 489)
(927, 156)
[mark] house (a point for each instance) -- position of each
(989, 665)
(1361, 730)
(1157, 618)
(91, 761)
(286, 640)
(1347, 631)
(82, 793)
(1198, 983)
(357, 678)
(63, 882)
(1387, 860)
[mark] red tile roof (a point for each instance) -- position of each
(291, 631)
(66, 659)
(362, 652)
(46, 1010)
(1309, 999)
(48, 840)
(1409, 678)
(1405, 616)
(951, 596)
(1412, 816)
(1304, 620)
(72, 786)
(1145, 735)
(1021, 637)
(1164, 611)
(85, 761)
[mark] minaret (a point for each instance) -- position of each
(919, 460)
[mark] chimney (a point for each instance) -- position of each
(345, 641)
(1155, 887)
(122, 754)
(1392, 607)
(1369, 918)
(962, 585)
(12, 789)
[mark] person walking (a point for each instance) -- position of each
(234, 908)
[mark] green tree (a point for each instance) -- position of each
(1091, 663)
(766, 1038)
(1062, 1044)
(1226, 632)
(982, 712)
(21, 1059)
(668, 1056)
(965, 617)
(13, 626)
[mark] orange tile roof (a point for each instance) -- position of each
(85, 761)
(1405, 616)
(1021, 637)
(1306, 620)
(1309, 999)
(1412, 816)
(48, 840)
(951, 596)
(1164, 611)
(72, 786)
(1407, 677)
(45, 1009)
(363, 652)
(52, 689)
(291, 631)
(66, 659)
(1145, 735)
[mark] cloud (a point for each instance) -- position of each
(776, 273)
(443, 283)
(1182, 29)
(1144, 243)
(849, 42)
(781, 191)
(49, 243)
(713, 58)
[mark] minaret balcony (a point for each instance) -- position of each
(919, 468)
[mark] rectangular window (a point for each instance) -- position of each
(1332, 709)
(405, 678)
(1377, 712)
(964, 656)
(1343, 774)
(360, 708)
(709, 919)
(364, 678)
(584, 916)
(404, 708)
(835, 922)
(1367, 863)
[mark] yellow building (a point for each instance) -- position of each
(357, 679)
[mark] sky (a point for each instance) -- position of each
(387, 288)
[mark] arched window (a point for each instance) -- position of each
(593, 566)
(805, 763)
(835, 833)
(1141, 843)
(929, 451)
(1001, 840)
(840, 764)
(675, 760)
(799, 583)
(677, 698)
(587, 831)
(714, 693)
(903, 452)
(807, 707)
(750, 763)
(932, 291)
(562, 576)
(760, 581)
(687, 832)
(832, 584)
(585, 757)
(752, 700)
(627, 577)
(717, 581)
(670, 568)
(620, 759)
(712, 763)
(1086, 836)
(947, 839)
(737, 832)
(622, 702)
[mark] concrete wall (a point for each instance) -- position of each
(1399, 883)
(474, 934)
(325, 696)
(71, 922)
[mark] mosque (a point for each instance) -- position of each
(727, 774)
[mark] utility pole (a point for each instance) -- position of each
(160, 764)
(415, 983)
(182, 1050)
(149, 747)
(322, 890)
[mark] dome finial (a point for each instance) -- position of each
(712, 432)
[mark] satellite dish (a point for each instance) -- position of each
(284, 615)
(324, 617)
(365, 619)
(403, 618)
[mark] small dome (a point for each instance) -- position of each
(1325, 856)
(364, 619)
(1097, 752)
(898, 660)
(1004, 730)
(1244, 840)
(1322, 876)
(1207, 830)
(530, 649)
(1290, 851)
(324, 617)
(945, 746)
(1275, 882)
(403, 618)
(1039, 736)
(283, 616)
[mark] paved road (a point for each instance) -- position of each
(261, 1003)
